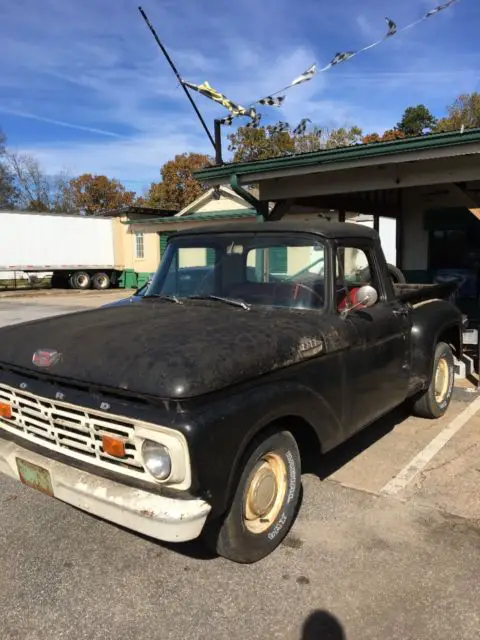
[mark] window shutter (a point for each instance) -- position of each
(210, 257)
(163, 242)
(278, 260)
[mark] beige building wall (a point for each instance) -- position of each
(193, 258)
(221, 205)
(119, 231)
(125, 248)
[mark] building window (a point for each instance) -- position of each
(139, 246)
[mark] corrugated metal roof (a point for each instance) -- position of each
(342, 154)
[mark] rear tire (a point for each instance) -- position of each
(436, 399)
(265, 502)
(396, 275)
(101, 281)
(80, 280)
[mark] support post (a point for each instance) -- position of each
(399, 228)
(218, 141)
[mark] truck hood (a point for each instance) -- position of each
(162, 349)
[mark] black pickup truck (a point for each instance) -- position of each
(188, 413)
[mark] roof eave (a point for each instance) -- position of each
(406, 150)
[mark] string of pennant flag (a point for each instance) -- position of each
(277, 98)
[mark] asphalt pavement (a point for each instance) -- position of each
(357, 565)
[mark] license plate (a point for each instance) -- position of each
(34, 476)
(470, 337)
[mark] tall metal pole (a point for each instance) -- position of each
(175, 71)
(218, 141)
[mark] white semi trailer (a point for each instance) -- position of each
(77, 251)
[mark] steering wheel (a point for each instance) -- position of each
(297, 286)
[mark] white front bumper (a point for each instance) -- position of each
(159, 517)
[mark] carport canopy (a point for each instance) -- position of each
(443, 169)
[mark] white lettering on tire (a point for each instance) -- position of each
(293, 477)
(291, 493)
(278, 527)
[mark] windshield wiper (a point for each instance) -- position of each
(163, 297)
(231, 301)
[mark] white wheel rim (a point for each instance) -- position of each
(265, 493)
(441, 380)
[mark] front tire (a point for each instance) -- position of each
(436, 399)
(265, 501)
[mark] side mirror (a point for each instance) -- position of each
(367, 296)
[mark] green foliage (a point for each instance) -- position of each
(416, 120)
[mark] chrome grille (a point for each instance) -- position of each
(72, 430)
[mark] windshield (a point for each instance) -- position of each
(257, 269)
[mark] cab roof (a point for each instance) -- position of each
(322, 228)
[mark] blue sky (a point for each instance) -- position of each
(84, 87)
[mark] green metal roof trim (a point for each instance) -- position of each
(229, 214)
(342, 154)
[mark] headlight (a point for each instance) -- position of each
(157, 459)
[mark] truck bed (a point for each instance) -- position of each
(414, 293)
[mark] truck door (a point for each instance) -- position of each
(378, 368)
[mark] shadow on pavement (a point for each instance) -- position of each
(321, 625)
(344, 453)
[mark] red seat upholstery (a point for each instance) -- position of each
(350, 300)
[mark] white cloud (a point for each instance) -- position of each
(100, 77)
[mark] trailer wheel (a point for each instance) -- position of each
(434, 402)
(80, 280)
(101, 281)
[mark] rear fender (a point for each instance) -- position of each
(433, 321)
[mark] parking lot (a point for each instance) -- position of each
(386, 545)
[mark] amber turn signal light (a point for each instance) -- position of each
(114, 446)
(5, 410)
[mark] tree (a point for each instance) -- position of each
(249, 144)
(34, 189)
(371, 137)
(416, 120)
(90, 194)
(7, 187)
(343, 137)
(311, 141)
(392, 134)
(388, 136)
(62, 199)
(31, 184)
(464, 111)
(178, 188)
